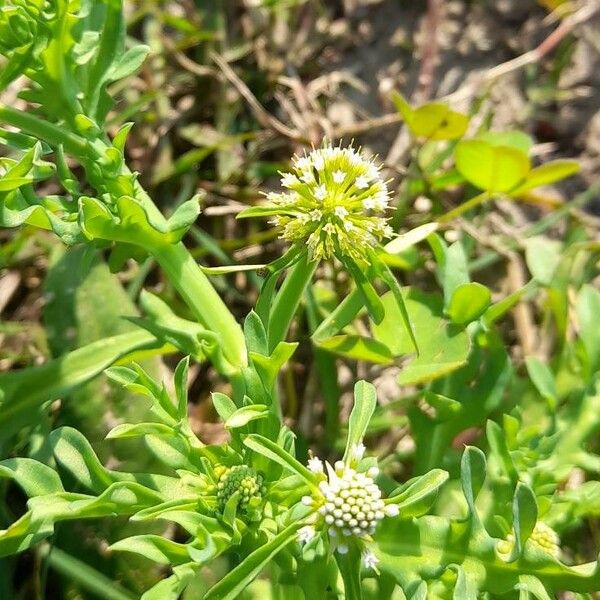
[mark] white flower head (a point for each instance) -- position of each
(345, 197)
(349, 503)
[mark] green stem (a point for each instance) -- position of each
(463, 208)
(349, 566)
(48, 132)
(181, 268)
(203, 300)
(340, 317)
(288, 298)
(87, 577)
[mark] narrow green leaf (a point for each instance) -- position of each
(172, 587)
(276, 453)
(497, 442)
(369, 295)
(525, 513)
(237, 580)
(472, 474)
(547, 173)
(411, 238)
(242, 416)
(365, 402)
(226, 269)
(154, 547)
(357, 347)
(542, 378)
(255, 333)
(224, 405)
(262, 211)
(588, 309)
(416, 497)
(128, 63)
(403, 107)
(180, 380)
(269, 367)
(75, 454)
(132, 430)
(34, 478)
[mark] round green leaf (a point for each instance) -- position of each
(469, 301)
(491, 168)
(435, 121)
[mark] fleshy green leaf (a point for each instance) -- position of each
(365, 402)
(276, 453)
(468, 302)
(416, 497)
(472, 474)
(524, 515)
(154, 547)
(236, 581)
(242, 416)
(35, 478)
(357, 347)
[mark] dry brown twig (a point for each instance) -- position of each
(262, 115)
(430, 52)
(587, 10)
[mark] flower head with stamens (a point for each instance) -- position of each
(244, 481)
(334, 203)
(348, 502)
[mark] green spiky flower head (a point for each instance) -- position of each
(246, 482)
(335, 201)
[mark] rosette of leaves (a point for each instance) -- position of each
(212, 492)
(403, 546)
(284, 513)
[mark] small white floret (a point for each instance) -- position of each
(315, 465)
(361, 182)
(358, 451)
(370, 560)
(339, 176)
(306, 533)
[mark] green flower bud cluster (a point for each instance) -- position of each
(334, 203)
(18, 26)
(246, 482)
(542, 538)
(546, 539)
